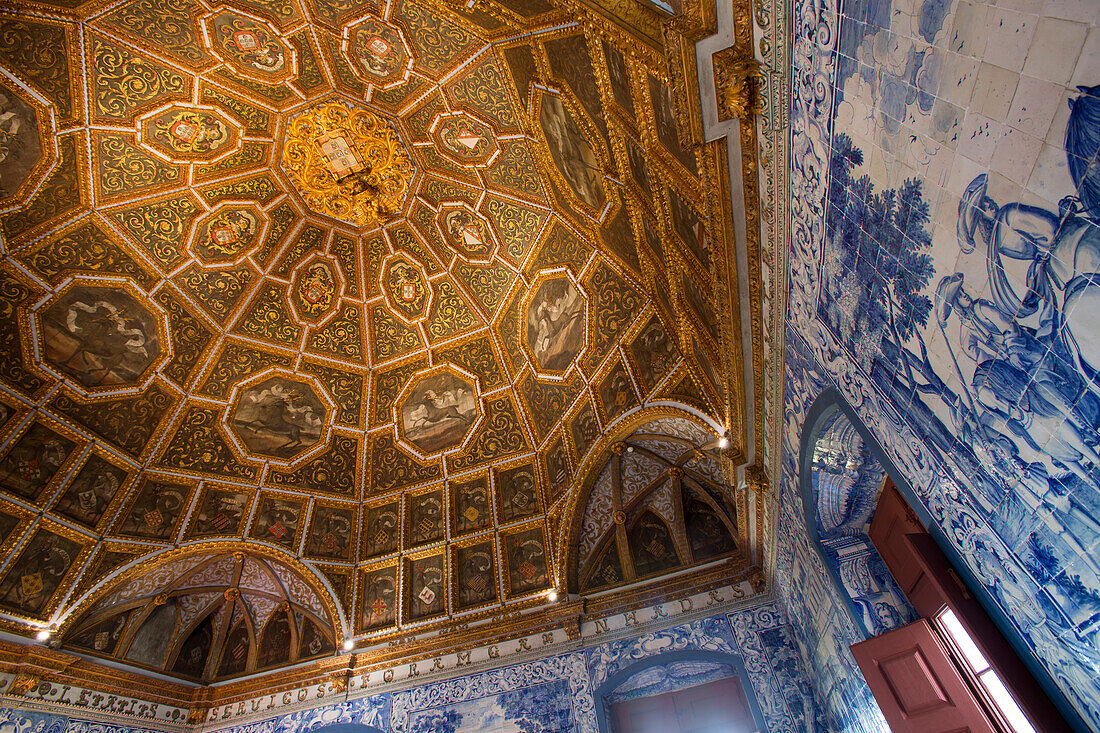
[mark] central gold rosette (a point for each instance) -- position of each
(348, 163)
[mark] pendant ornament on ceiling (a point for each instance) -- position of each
(348, 163)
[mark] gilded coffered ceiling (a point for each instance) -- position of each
(364, 293)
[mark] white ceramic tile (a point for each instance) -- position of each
(1087, 72)
(993, 91)
(1027, 7)
(1034, 106)
(969, 29)
(1010, 34)
(978, 137)
(877, 165)
(1003, 190)
(1056, 133)
(938, 169)
(947, 214)
(1055, 49)
(1015, 155)
(957, 77)
(1050, 179)
(1087, 11)
(945, 122)
(963, 171)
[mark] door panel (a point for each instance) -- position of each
(916, 684)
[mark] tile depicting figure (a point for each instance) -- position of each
(948, 178)
(438, 412)
(100, 336)
(571, 153)
(536, 709)
(555, 324)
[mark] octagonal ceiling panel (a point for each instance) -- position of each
(189, 133)
(438, 410)
(227, 234)
(102, 335)
(317, 276)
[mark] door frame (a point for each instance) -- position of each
(603, 724)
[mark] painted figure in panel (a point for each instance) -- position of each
(89, 494)
(518, 493)
(100, 336)
(20, 145)
(471, 505)
(279, 417)
(555, 324)
(277, 521)
(526, 561)
(426, 587)
(477, 582)
(33, 461)
(572, 154)
(380, 597)
(331, 532)
(438, 412)
(155, 511)
(36, 574)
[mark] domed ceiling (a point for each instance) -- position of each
(367, 285)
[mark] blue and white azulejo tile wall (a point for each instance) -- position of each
(945, 278)
(563, 693)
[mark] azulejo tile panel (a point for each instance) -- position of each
(942, 225)
(552, 693)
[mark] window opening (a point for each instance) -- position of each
(990, 685)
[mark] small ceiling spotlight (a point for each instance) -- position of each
(723, 442)
(43, 635)
(349, 644)
(552, 596)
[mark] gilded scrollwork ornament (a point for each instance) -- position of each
(348, 163)
(739, 84)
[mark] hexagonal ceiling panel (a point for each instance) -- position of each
(336, 278)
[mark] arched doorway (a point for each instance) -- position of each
(689, 690)
(842, 480)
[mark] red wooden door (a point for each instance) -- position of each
(916, 684)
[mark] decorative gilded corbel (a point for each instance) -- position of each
(738, 84)
(756, 480)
